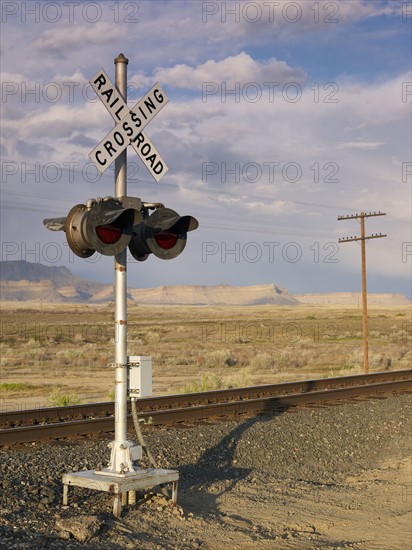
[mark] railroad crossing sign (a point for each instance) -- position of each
(129, 127)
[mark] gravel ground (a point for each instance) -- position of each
(298, 449)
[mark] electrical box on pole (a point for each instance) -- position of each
(139, 376)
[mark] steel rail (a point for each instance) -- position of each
(91, 410)
(209, 412)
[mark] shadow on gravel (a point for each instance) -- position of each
(216, 473)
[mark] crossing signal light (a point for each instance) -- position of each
(162, 233)
(109, 225)
(101, 225)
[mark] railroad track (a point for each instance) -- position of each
(98, 418)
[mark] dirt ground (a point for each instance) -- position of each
(369, 511)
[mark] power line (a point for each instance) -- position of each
(211, 190)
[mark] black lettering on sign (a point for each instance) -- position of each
(128, 129)
(108, 93)
(150, 105)
(158, 169)
(139, 138)
(145, 150)
(149, 157)
(143, 113)
(101, 162)
(119, 139)
(118, 111)
(136, 119)
(114, 102)
(159, 97)
(109, 148)
(100, 80)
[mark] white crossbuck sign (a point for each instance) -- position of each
(129, 127)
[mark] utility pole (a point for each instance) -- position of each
(363, 239)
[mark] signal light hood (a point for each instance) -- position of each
(167, 219)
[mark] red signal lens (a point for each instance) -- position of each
(165, 239)
(108, 234)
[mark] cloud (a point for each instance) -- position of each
(364, 145)
(77, 78)
(60, 42)
(355, 11)
(257, 22)
(36, 150)
(83, 141)
(55, 122)
(241, 68)
(23, 95)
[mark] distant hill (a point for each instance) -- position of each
(33, 282)
(24, 281)
(214, 295)
(354, 298)
(34, 272)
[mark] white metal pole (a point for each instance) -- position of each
(120, 282)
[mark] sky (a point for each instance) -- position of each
(281, 117)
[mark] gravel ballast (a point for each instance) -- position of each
(315, 446)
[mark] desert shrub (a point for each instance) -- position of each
(242, 378)
(207, 383)
(78, 338)
(291, 359)
(400, 335)
(262, 361)
(218, 358)
(13, 387)
(33, 343)
(355, 358)
(152, 337)
(59, 399)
